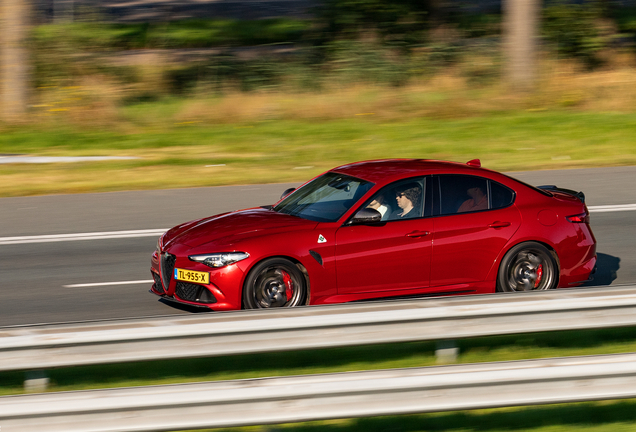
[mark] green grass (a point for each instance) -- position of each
(501, 348)
(269, 151)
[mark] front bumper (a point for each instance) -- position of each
(222, 293)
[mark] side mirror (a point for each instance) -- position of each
(366, 216)
(287, 192)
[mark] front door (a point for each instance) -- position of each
(394, 254)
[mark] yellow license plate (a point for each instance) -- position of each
(192, 276)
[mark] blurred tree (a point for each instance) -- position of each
(15, 16)
(521, 20)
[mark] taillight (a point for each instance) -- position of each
(579, 218)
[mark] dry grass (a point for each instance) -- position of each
(452, 93)
(446, 95)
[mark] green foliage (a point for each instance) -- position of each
(100, 36)
(363, 62)
(625, 18)
(367, 41)
(572, 28)
(476, 25)
(345, 62)
(442, 54)
(63, 52)
(57, 59)
(484, 68)
(226, 70)
(394, 21)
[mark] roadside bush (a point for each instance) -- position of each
(102, 36)
(225, 71)
(475, 24)
(345, 62)
(394, 21)
(572, 29)
(625, 19)
(353, 61)
(444, 54)
(481, 63)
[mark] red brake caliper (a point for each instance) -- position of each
(289, 285)
(539, 275)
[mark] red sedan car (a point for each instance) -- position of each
(380, 229)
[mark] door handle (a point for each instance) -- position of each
(498, 224)
(417, 234)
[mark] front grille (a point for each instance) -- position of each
(187, 291)
(158, 286)
(167, 269)
(194, 293)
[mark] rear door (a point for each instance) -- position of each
(468, 233)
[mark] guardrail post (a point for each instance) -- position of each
(446, 352)
(35, 381)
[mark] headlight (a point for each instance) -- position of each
(219, 259)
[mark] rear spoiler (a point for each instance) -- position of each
(553, 188)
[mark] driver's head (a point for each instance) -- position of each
(410, 192)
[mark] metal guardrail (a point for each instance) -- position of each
(315, 397)
(46, 346)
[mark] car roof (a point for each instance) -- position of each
(385, 170)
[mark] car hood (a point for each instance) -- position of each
(228, 228)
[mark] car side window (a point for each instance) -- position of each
(400, 200)
(500, 195)
(464, 193)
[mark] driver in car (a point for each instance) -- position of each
(408, 200)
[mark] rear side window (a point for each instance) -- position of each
(464, 194)
(500, 196)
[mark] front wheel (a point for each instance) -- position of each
(527, 267)
(275, 282)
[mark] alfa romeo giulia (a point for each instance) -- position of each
(381, 229)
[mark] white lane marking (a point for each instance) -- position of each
(157, 232)
(82, 236)
(612, 208)
(108, 284)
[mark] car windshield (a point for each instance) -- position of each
(326, 198)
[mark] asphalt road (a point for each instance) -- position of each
(46, 282)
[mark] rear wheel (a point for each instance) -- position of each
(527, 267)
(275, 282)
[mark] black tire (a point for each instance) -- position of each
(528, 267)
(274, 282)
